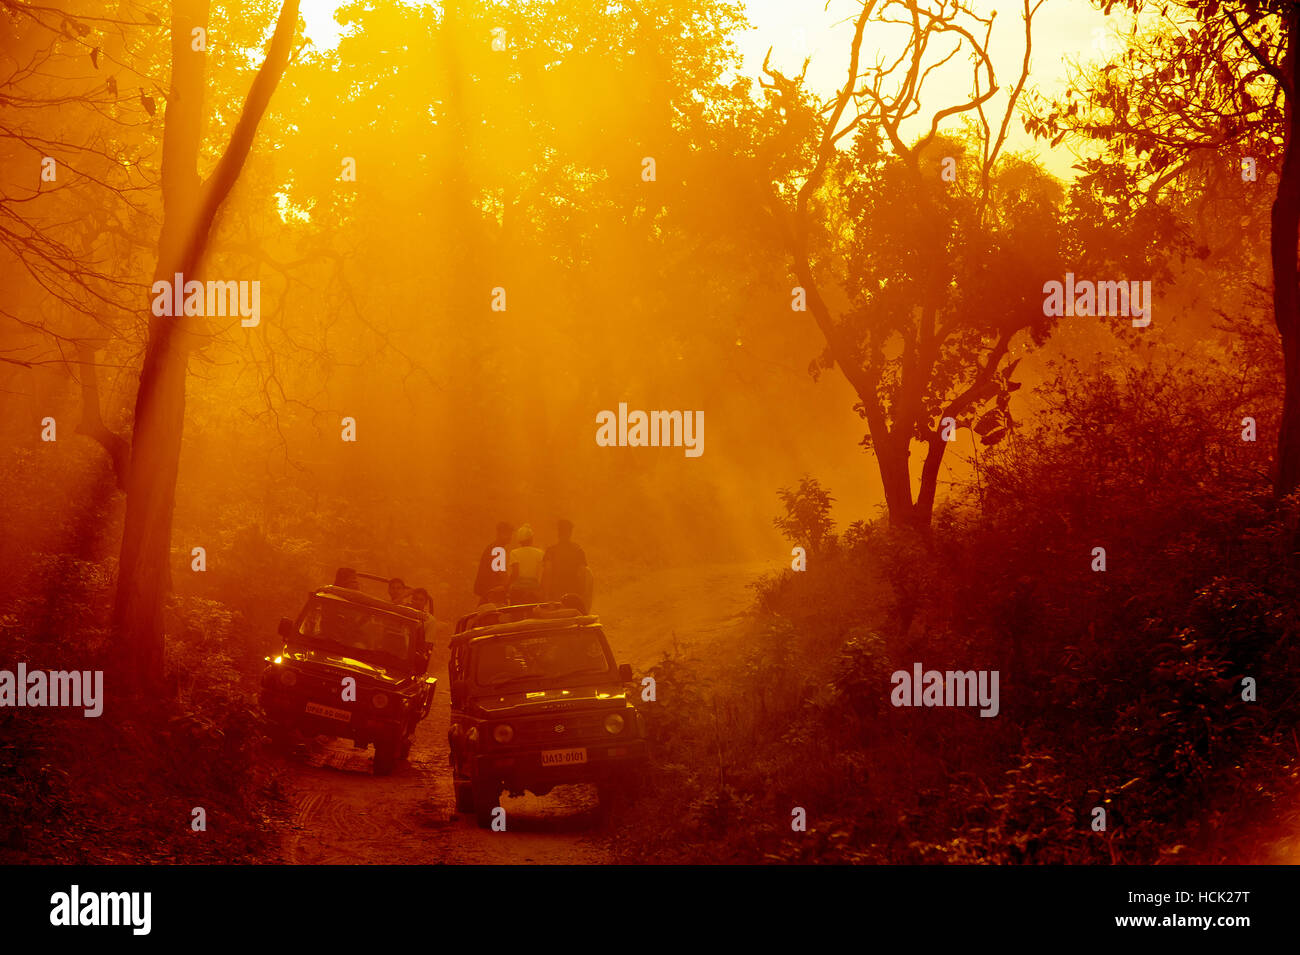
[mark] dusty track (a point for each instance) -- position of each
(343, 814)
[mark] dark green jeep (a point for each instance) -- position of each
(352, 666)
(536, 701)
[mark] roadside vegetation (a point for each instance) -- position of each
(1120, 689)
(122, 787)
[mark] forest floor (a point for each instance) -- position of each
(340, 813)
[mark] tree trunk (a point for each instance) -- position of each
(896, 479)
(929, 482)
(143, 568)
(190, 208)
(1284, 245)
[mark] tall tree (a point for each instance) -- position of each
(190, 207)
(916, 350)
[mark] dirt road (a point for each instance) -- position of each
(346, 815)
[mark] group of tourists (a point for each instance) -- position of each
(417, 598)
(513, 570)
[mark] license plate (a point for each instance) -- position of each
(564, 757)
(333, 712)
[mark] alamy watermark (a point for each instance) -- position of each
(653, 429)
(1085, 297)
(84, 688)
(946, 688)
(179, 297)
(75, 907)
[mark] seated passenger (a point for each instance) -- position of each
(397, 590)
(395, 642)
(498, 663)
(418, 599)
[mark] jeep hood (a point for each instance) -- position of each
(524, 703)
(319, 661)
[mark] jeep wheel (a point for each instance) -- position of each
(405, 749)
(486, 796)
(613, 798)
(386, 755)
(281, 735)
(464, 795)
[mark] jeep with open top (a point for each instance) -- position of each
(538, 701)
(352, 666)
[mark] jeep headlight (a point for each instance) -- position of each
(472, 734)
(288, 678)
(614, 724)
(379, 700)
(504, 733)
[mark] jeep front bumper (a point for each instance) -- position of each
(525, 769)
(292, 712)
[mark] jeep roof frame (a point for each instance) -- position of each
(550, 615)
(525, 626)
(541, 610)
(366, 600)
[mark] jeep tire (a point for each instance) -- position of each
(464, 795)
(281, 735)
(486, 796)
(386, 751)
(613, 799)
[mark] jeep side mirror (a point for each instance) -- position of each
(459, 693)
(625, 672)
(286, 627)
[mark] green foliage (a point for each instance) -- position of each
(807, 521)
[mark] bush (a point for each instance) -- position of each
(198, 745)
(1121, 690)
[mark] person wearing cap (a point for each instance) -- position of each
(526, 569)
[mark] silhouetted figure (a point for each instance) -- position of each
(562, 566)
(526, 569)
(397, 590)
(489, 584)
(347, 577)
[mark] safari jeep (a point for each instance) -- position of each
(537, 701)
(344, 633)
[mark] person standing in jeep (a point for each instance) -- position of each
(525, 576)
(562, 566)
(489, 584)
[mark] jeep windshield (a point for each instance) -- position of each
(358, 631)
(548, 658)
